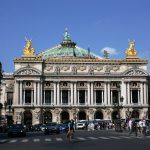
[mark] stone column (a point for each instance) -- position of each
(78, 98)
(141, 88)
(92, 95)
(58, 93)
(139, 101)
(20, 92)
(105, 93)
(44, 96)
(145, 93)
(128, 91)
(111, 97)
(131, 97)
(75, 93)
(32, 100)
(108, 93)
(123, 92)
(16, 93)
(35, 94)
(72, 95)
(102, 96)
(39, 93)
(89, 93)
(55, 90)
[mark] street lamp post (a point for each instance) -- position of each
(118, 121)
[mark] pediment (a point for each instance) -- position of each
(135, 72)
(28, 71)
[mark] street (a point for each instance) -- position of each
(89, 140)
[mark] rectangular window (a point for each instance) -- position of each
(9, 98)
(65, 96)
(135, 96)
(48, 96)
(115, 96)
(28, 96)
(98, 96)
(82, 96)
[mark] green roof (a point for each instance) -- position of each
(67, 49)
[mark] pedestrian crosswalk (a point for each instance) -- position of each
(61, 139)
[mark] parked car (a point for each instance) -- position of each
(52, 127)
(16, 130)
(37, 127)
(80, 125)
(42, 127)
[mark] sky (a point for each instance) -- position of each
(94, 24)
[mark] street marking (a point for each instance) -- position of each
(126, 137)
(59, 139)
(104, 138)
(3, 141)
(13, 141)
(36, 140)
(92, 138)
(25, 140)
(80, 138)
(113, 137)
(48, 140)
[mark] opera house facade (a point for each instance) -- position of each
(69, 82)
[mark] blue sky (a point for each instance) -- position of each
(93, 24)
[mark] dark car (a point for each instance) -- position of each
(63, 127)
(16, 130)
(37, 127)
(52, 127)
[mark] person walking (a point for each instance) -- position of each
(130, 126)
(70, 130)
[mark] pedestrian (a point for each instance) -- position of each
(70, 130)
(130, 126)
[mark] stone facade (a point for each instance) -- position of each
(57, 89)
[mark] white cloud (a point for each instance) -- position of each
(110, 50)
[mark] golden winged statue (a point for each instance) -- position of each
(28, 50)
(131, 51)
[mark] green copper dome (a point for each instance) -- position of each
(67, 49)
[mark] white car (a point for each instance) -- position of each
(80, 125)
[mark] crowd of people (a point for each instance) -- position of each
(139, 127)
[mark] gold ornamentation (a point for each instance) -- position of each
(131, 52)
(28, 50)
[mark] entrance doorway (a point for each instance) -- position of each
(47, 117)
(82, 115)
(114, 115)
(135, 114)
(98, 115)
(27, 116)
(64, 116)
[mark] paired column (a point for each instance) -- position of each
(92, 95)
(38, 94)
(89, 93)
(108, 93)
(16, 93)
(35, 94)
(20, 94)
(145, 94)
(75, 93)
(72, 93)
(105, 93)
(58, 93)
(128, 93)
(55, 92)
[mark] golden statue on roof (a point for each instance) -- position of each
(28, 50)
(131, 51)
